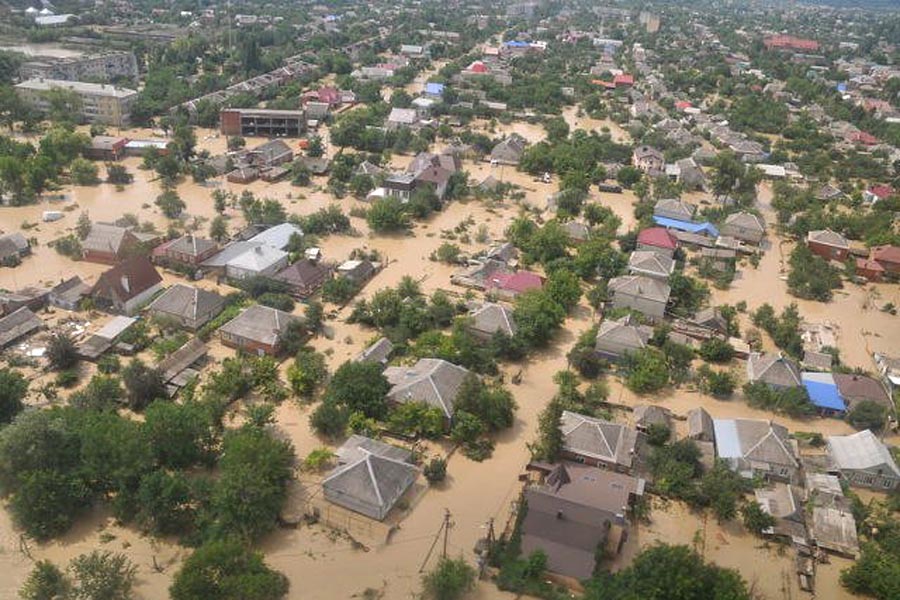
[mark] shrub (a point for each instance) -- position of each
(436, 470)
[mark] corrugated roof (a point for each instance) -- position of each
(705, 227)
(823, 391)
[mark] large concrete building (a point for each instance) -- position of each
(260, 122)
(100, 103)
(96, 67)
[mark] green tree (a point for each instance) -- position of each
(647, 371)
(84, 172)
(563, 288)
(170, 203)
(13, 388)
(307, 372)
(165, 503)
(755, 518)
(451, 579)
(218, 228)
(868, 414)
(118, 174)
(61, 352)
(537, 317)
(359, 386)
(102, 575)
(181, 435)
(143, 384)
(387, 215)
(331, 420)
(46, 582)
(227, 570)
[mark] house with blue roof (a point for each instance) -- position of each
(824, 393)
(705, 228)
(434, 90)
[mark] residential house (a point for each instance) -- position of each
(755, 447)
(615, 339)
(888, 257)
(877, 193)
(774, 369)
(379, 352)
(433, 381)
(651, 264)
(434, 170)
(828, 192)
(304, 277)
(509, 285)
(704, 229)
(855, 388)
(402, 117)
(744, 226)
(644, 294)
(188, 250)
(257, 329)
(69, 293)
(648, 416)
(177, 368)
(674, 208)
(358, 271)
(599, 443)
(108, 244)
(188, 306)
(400, 185)
(278, 236)
(869, 269)
(784, 503)
(370, 478)
(256, 261)
(17, 325)
(657, 239)
(823, 393)
(572, 513)
(863, 460)
(700, 426)
(491, 319)
(711, 318)
(509, 151)
(127, 286)
(828, 244)
(648, 159)
(13, 247)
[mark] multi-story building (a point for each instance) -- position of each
(97, 67)
(100, 103)
(259, 122)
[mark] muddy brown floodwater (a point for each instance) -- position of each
(323, 566)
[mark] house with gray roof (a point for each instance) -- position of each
(378, 352)
(784, 502)
(278, 236)
(641, 293)
(674, 208)
(774, 369)
(13, 246)
(189, 250)
(257, 329)
(651, 264)
(370, 478)
(433, 381)
(744, 226)
(491, 318)
(189, 306)
(700, 425)
(402, 117)
(258, 259)
(615, 339)
(68, 294)
(108, 243)
(756, 447)
(863, 460)
(17, 325)
(599, 443)
(509, 151)
(646, 416)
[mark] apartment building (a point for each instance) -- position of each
(260, 122)
(101, 103)
(96, 67)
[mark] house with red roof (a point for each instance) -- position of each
(863, 138)
(876, 193)
(683, 104)
(657, 239)
(870, 269)
(789, 42)
(888, 257)
(510, 285)
(478, 67)
(623, 80)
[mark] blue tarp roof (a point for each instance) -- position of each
(689, 226)
(823, 391)
(517, 44)
(435, 89)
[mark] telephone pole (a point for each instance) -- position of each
(445, 527)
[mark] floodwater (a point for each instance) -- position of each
(321, 565)
(51, 50)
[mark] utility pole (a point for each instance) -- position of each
(446, 527)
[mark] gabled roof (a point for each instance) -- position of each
(861, 387)
(711, 318)
(861, 451)
(745, 220)
(304, 273)
(191, 245)
(700, 425)
(128, 279)
(520, 281)
(188, 302)
(827, 237)
(229, 253)
(378, 352)
(16, 324)
(105, 237)
(650, 262)
(372, 477)
(260, 324)
(644, 152)
(659, 237)
(621, 333)
(640, 286)
(491, 317)
(258, 258)
(431, 380)
(773, 369)
(886, 253)
(675, 206)
(599, 439)
(754, 440)
(182, 358)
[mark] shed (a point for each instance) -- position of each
(18, 324)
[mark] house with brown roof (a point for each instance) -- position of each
(657, 239)
(828, 244)
(490, 319)
(774, 369)
(257, 330)
(572, 513)
(189, 306)
(127, 286)
(108, 244)
(304, 277)
(189, 250)
(888, 257)
(641, 293)
(599, 443)
(433, 381)
(855, 388)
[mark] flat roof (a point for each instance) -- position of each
(94, 89)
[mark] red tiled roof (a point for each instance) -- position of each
(861, 137)
(789, 41)
(478, 67)
(882, 191)
(520, 281)
(683, 104)
(659, 237)
(886, 253)
(866, 264)
(623, 79)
